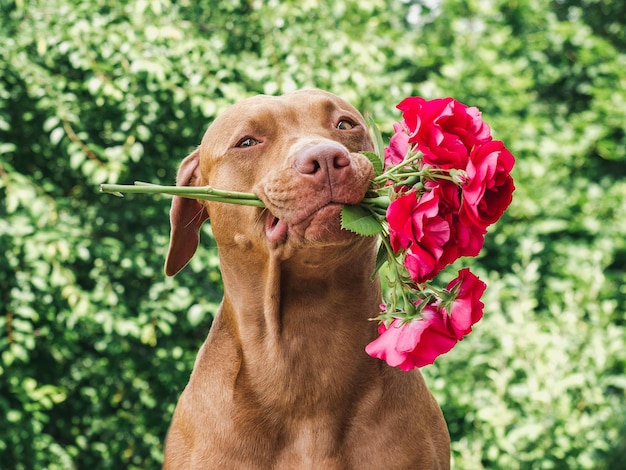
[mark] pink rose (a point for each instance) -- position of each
(398, 146)
(415, 225)
(465, 240)
(445, 130)
(447, 194)
(413, 344)
(419, 342)
(466, 309)
(469, 239)
(489, 189)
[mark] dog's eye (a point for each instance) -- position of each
(345, 125)
(247, 142)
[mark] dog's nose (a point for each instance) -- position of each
(322, 160)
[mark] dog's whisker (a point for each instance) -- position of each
(262, 214)
(195, 218)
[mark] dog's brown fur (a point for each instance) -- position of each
(283, 381)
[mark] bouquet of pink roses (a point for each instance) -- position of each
(438, 185)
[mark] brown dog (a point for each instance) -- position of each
(283, 381)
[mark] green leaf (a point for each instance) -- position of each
(196, 314)
(378, 165)
(379, 145)
(359, 220)
(381, 259)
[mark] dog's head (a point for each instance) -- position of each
(299, 153)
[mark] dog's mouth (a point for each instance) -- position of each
(275, 229)
(319, 223)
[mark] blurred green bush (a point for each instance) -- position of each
(96, 344)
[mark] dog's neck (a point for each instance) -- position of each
(285, 312)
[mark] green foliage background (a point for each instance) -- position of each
(96, 344)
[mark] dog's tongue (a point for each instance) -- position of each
(276, 230)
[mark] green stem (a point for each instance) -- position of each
(408, 307)
(378, 201)
(207, 193)
(388, 174)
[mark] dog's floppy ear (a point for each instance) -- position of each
(186, 218)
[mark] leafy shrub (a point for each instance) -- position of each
(96, 344)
